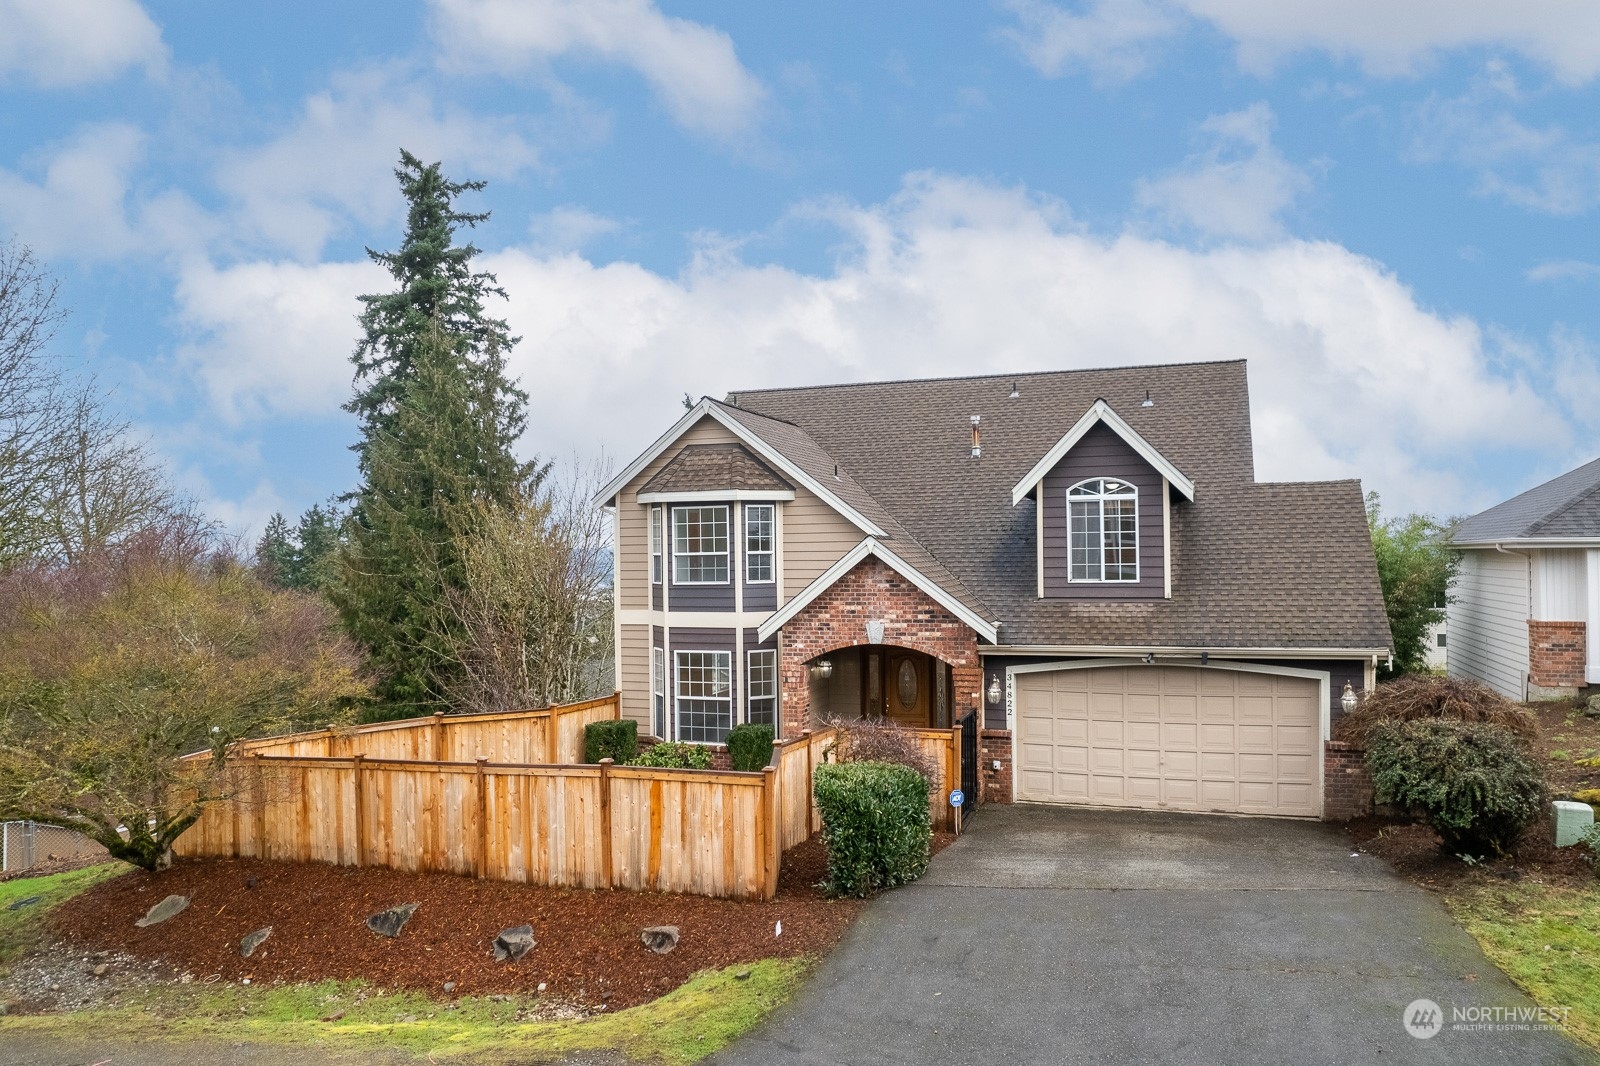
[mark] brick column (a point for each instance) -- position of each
(1556, 654)
(1346, 784)
(994, 746)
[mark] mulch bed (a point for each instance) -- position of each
(588, 952)
(1566, 735)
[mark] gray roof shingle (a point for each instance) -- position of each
(1567, 506)
(700, 467)
(1254, 565)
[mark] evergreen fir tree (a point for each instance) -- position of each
(275, 553)
(438, 420)
(317, 541)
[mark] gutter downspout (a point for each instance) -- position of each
(1527, 561)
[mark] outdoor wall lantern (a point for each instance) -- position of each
(822, 669)
(1349, 700)
(994, 691)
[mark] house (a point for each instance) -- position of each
(1083, 560)
(1524, 612)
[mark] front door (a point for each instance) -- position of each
(907, 695)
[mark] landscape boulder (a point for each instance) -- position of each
(390, 922)
(251, 941)
(660, 939)
(167, 908)
(513, 943)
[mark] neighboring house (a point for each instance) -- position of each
(1083, 558)
(1524, 610)
(1437, 654)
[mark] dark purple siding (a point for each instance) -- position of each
(1101, 453)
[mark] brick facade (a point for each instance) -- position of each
(838, 618)
(1556, 654)
(1346, 784)
(994, 745)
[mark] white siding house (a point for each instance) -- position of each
(1487, 620)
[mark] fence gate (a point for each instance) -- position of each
(24, 845)
(969, 761)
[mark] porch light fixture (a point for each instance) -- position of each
(994, 692)
(1349, 700)
(822, 669)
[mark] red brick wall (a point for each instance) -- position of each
(1346, 784)
(994, 745)
(838, 619)
(1555, 654)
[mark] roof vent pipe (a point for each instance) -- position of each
(1014, 392)
(1148, 402)
(977, 438)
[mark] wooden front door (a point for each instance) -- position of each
(906, 687)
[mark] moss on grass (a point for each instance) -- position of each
(21, 929)
(1546, 938)
(701, 1016)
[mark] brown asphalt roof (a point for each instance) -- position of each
(721, 466)
(1254, 565)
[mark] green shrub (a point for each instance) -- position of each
(875, 825)
(1473, 781)
(616, 739)
(674, 755)
(750, 747)
(1591, 841)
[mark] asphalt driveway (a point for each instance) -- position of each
(1060, 935)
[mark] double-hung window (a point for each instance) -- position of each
(700, 545)
(658, 690)
(705, 696)
(656, 532)
(759, 533)
(1103, 530)
(761, 687)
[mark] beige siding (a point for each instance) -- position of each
(1488, 621)
(815, 536)
(635, 680)
(1559, 577)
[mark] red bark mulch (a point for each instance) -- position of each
(588, 951)
(1413, 850)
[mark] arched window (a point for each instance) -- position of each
(1103, 530)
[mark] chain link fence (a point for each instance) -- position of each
(29, 844)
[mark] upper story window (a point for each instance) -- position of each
(758, 542)
(1103, 528)
(656, 534)
(700, 545)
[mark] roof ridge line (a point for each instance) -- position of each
(1551, 516)
(978, 377)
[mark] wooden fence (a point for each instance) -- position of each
(706, 832)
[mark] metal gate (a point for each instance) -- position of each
(969, 762)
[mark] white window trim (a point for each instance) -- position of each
(771, 553)
(1101, 499)
(658, 535)
(749, 693)
(658, 691)
(727, 553)
(677, 689)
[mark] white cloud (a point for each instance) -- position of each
(1349, 375)
(1112, 39)
(65, 43)
(692, 67)
(1564, 270)
(569, 228)
(1235, 187)
(335, 164)
(1386, 38)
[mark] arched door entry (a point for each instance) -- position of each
(884, 681)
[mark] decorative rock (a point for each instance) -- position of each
(102, 969)
(513, 943)
(17, 905)
(1591, 706)
(167, 908)
(390, 922)
(1572, 821)
(449, 986)
(251, 941)
(660, 939)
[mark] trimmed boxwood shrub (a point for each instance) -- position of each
(674, 755)
(1473, 781)
(750, 747)
(617, 740)
(875, 825)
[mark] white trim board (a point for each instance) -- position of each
(719, 496)
(872, 547)
(707, 408)
(1101, 412)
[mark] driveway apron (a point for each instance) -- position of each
(1068, 935)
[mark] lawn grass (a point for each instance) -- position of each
(20, 929)
(1546, 938)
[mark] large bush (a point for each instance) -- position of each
(1426, 696)
(616, 739)
(1472, 780)
(875, 824)
(674, 755)
(750, 747)
(882, 740)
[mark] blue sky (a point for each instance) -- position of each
(1387, 206)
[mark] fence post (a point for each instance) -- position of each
(771, 844)
(955, 777)
(260, 790)
(361, 810)
(483, 816)
(605, 821)
(438, 736)
(811, 750)
(553, 737)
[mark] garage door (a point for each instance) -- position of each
(1170, 737)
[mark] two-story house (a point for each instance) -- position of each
(1082, 558)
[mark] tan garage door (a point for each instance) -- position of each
(1170, 737)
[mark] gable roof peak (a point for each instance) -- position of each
(1102, 413)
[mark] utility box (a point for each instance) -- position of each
(1572, 821)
